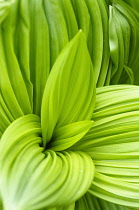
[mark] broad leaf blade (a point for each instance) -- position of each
(39, 178)
(68, 97)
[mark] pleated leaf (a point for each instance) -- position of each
(116, 99)
(116, 118)
(133, 19)
(95, 36)
(39, 51)
(82, 15)
(31, 178)
(134, 4)
(116, 45)
(106, 52)
(115, 190)
(69, 94)
(4, 9)
(113, 144)
(70, 18)
(90, 202)
(68, 135)
(58, 33)
(22, 43)
(14, 94)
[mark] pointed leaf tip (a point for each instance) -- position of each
(69, 94)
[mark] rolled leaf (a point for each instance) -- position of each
(39, 178)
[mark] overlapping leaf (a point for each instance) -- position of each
(113, 144)
(95, 36)
(116, 45)
(32, 48)
(10, 70)
(124, 38)
(68, 97)
(103, 75)
(30, 176)
(68, 135)
(13, 103)
(59, 178)
(70, 17)
(115, 190)
(82, 15)
(90, 202)
(57, 28)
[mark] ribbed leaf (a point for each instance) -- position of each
(68, 97)
(90, 202)
(14, 93)
(39, 50)
(22, 43)
(68, 135)
(32, 178)
(115, 190)
(95, 37)
(113, 144)
(115, 100)
(116, 45)
(134, 4)
(106, 52)
(133, 19)
(4, 9)
(116, 113)
(82, 15)
(70, 17)
(58, 34)
(118, 129)
(10, 108)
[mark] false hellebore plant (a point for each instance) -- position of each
(69, 131)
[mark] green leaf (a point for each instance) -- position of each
(4, 9)
(113, 144)
(95, 37)
(22, 43)
(70, 17)
(133, 19)
(116, 45)
(57, 28)
(113, 100)
(116, 113)
(68, 207)
(106, 51)
(68, 135)
(39, 48)
(32, 178)
(134, 4)
(67, 96)
(90, 202)
(12, 81)
(82, 15)
(115, 190)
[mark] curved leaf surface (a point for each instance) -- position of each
(68, 135)
(32, 178)
(68, 97)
